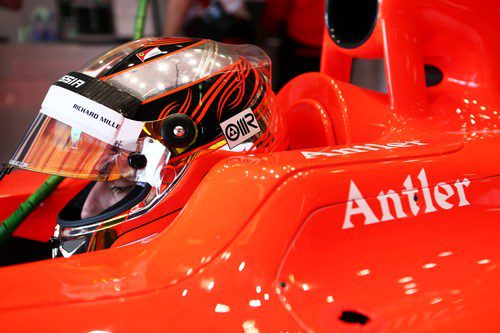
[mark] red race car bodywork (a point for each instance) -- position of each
(382, 217)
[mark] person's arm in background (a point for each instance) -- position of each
(175, 14)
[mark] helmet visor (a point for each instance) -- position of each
(77, 137)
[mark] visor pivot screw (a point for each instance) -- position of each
(179, 131)
(137, 160)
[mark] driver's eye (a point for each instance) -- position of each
(120, 189)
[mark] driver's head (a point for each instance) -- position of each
(137, 119)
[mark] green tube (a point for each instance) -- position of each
(10, 224)
(140, 18)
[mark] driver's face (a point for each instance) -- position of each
(104, 195)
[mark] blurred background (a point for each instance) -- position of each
(41, 40)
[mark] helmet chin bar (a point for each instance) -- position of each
(75, 235)
(70, 215)
(98, 232)
(91, 241)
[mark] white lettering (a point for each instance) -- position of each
(380, 146)
(346, 151)
(72, 81)
(78, 83)
(441, 198)
(441, 194)
(386, 213)
(461, 193)
(357, 149)
(362, 208)
(311, 154)
(418, 143)
(366, 147)
(398, 144)
(429, 206)
(410, 192)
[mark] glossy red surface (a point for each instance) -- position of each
(19, 185)
(284, 241)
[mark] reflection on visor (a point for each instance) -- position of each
(56, 148)
(104, 195)
(74, 136)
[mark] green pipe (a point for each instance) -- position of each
(140, 18)
(15, 219)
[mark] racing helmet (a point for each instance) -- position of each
(144, 122)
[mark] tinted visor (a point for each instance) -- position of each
(53, 147)
(74, 136)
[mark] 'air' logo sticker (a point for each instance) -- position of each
(240, 127)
